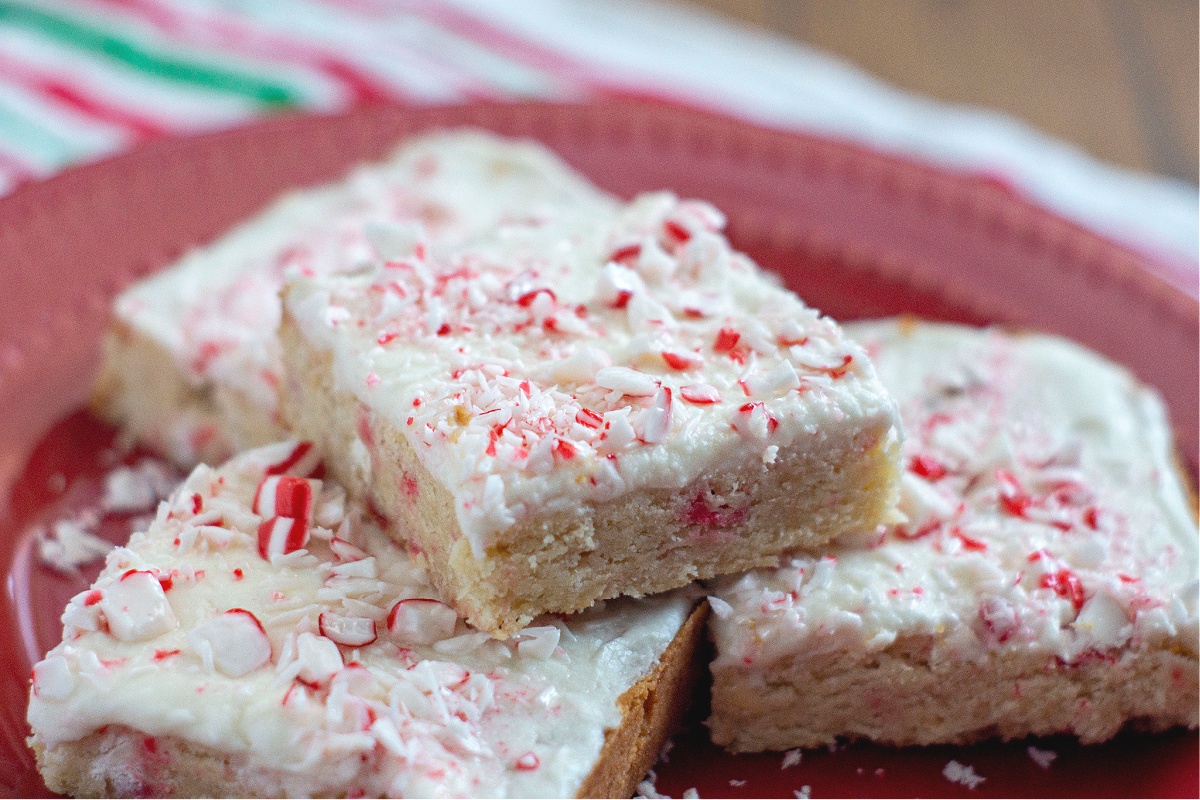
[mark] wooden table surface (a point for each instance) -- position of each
(1117, 77)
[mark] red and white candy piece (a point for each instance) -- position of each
(999, 618)
(538, 642)
(344, 551)
(1104, 620)
(616, 285)
(681, 360)
(347, 631)
(292, 458)
(286, 496)
(698, 215)
(52, 679)
(655, 422)
(701, 394)
(236, 639)
(319, 658)
(136, 607)
(726, 340)
(421, 621)
(281, 535)
(627, 381)
(618, 431)
(528, 762)
(754, 421)
(782, 378)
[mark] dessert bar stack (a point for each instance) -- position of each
(263, 639)
(521, 421)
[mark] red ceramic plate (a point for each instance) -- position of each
(855, 232)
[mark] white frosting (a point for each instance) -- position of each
(1044, 514)
(550, 365)
(190, 632)
(217, 310)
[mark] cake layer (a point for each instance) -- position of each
(608, 404)
(192, 364)
(260, 639)
(1044, 579)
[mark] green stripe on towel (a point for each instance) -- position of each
(96, 40)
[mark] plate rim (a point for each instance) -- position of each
(976, 200)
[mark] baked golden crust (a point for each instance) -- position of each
(650, 711)
(898, 697)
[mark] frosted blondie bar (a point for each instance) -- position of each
(1044, 579)
(261, 640)
(559, 413)
(191, 362)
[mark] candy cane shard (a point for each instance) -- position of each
(234, 641)
(136, 608)
(286, 496)
(421, 621)
(347, 631)
(293, 459)
(281, 535)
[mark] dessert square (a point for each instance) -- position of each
(191, 362)
(261, 640)
(1044, 579)
(612, 403)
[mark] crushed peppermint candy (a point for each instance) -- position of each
(74, 541)
(791, 758)
(720, 608)
(646, 789)
(963, 774)
(68, 544)
(803, 793)
(139, 487)
(1043, 758)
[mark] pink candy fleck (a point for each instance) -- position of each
(528, 762)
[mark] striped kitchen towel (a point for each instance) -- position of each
(83, 79)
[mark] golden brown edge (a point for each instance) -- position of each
(651, 710)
